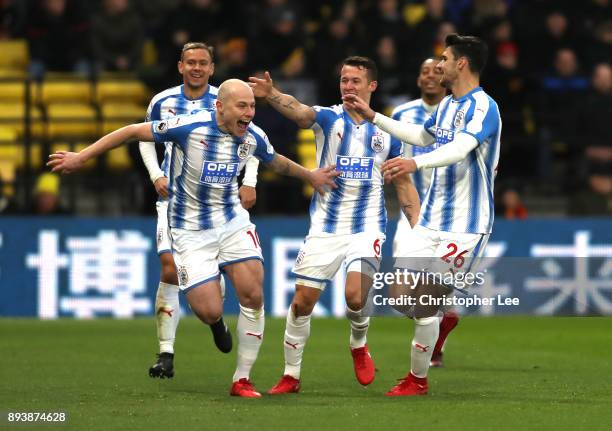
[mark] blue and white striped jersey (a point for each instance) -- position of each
(460, 198)
(415, 112)
(204, 167)
(172, 102)
(358, 151)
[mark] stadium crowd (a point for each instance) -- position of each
(548, 68)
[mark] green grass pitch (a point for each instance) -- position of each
(510, 373)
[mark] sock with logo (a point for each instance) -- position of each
(426, 333)
(250, 331)
(359, 328)
(297, 332)
(167, 315)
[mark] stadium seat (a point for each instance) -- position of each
(115, 116)
(71, 120)
(64, 91)
(12, 91)
(121, 91)
(15, 54)
(307, 154)
(12, 116)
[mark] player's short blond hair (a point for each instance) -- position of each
(198, 45)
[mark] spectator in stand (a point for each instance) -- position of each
(539, 51)
(511, 206)
(599, 49)
(12, 18)
(425, 34)
(562, 91)
(195, 20)
(233, 60)
(280, 45)
(47, 196)
(392, 85)
(340, 39)
(118, 37)
(58, 35)
(596, 112)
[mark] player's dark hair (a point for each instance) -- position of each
(363, 62)
(470, 47)
(198, 45)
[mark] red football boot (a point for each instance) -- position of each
(287, 385)
(244, 388)
(409, 385)
(364, 365)
(448, 323)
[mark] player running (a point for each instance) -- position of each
(196, 67)
(416, 112)
(208, 226)
(347, 225)
(457, 214)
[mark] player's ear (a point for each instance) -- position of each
(179, 66)
(219, 105)
(373, 85)
(212, 69)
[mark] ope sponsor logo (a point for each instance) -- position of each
(218, 172)
(444, 136)
(355, 168)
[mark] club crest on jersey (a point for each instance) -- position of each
(182, 275)
(378, 142)
(161, 127)
(243, 151)
(458, 121)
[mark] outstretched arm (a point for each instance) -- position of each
(66, 162)
(286, 104)
(446, 155)
(414, 134)
(318, 178)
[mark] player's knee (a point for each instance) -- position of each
(252, 298)
(354, 303)
(168, 274)
(168, 269)
(210, 315)
(302, 306)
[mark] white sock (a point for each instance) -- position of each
(425, 336)
(359, 328)
(167, 315)
(297, 332)
(250, 331)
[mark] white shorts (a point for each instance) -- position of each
(162, 237)
(199, 254)
(402, 233)
(320, 257)
(440, 252)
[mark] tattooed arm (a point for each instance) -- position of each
(408, 198)
(320, 179)
(289, 106)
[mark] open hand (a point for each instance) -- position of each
(262, 87)
(355, 103)
(65, 162)
(322, 178)
(248, 196)
(397, 167)
(161, 186)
